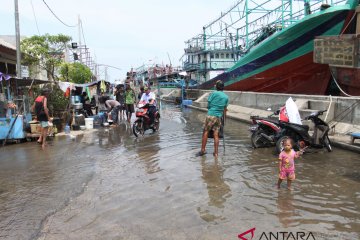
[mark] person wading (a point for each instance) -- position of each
(217, 107)
(130, 99)
(42, 115)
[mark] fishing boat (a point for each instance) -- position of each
(278, 57)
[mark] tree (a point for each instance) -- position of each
(45, 51)
(75, 72)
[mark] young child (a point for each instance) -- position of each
(286, 163)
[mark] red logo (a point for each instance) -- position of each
(241, 235)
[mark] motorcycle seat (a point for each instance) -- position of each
(298, 126)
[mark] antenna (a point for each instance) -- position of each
(169, 58)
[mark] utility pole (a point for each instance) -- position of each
(17, 30)
(79, 26)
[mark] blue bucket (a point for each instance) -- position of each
(187, 102)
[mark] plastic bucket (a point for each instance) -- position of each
(89, 123)
(187, 102)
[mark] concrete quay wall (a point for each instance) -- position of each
(343, 113)
(340, 109)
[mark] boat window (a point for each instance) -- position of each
(222, 55)
(227, 55)
(232, 55)
(211, 55)
(216, 55)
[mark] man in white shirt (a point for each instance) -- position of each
(149, 97)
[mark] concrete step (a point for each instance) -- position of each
(306, 112)
(199, 104)
(318, 104)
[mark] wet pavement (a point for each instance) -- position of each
(109, 185)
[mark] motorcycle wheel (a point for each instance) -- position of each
(327, 144)
(279, 144)
(258, 141)
(138, 128)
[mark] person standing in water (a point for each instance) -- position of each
(287, 163)
(42, 114)
(217, 107)
(130, 99)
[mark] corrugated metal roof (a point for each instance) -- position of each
(6, 44)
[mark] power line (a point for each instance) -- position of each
(35, 17)
(57, 16)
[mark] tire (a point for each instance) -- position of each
(156, 124)
(327, 143)
(258, 141)
(138, 128)
(279, 144)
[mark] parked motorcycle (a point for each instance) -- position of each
(300, 133)
(142, 123)
(264, 130)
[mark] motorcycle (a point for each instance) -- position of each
(264, 130)
(142, 123)
(300, 134)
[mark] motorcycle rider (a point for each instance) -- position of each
(149, 98)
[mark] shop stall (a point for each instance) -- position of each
(15, 114)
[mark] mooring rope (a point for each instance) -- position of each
(343, 92)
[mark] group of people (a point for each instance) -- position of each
(125, 100)
(123, 105)
(217, 108)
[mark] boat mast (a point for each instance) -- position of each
(307, 10)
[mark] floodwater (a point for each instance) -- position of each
(110, 185)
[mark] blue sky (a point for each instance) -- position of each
(120, 33)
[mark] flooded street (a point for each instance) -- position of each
(110, 185)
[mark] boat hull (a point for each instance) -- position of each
(283, 63)
(348, 80)
(298, 76)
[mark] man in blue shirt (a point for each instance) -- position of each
(217, 107)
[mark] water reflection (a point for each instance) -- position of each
(114, 136)
(218, 191)
(213, 176)
(286, 208)
(147, 149)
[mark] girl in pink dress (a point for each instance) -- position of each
(286, 163)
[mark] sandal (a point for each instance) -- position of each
(39, 142)
(199, 154)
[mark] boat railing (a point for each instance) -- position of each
(248, 35)
(209, 65)
(259, 34)
(191, 66)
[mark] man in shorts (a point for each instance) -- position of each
(130, 99)
(217, 107)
